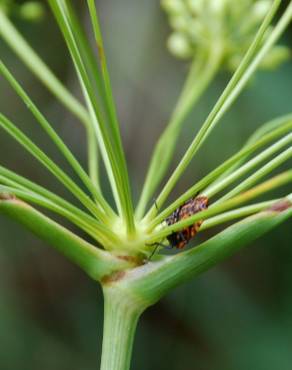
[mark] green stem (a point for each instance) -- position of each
(248, 66)
(94, 261)
(121, 315)
(275, 182)
(35, 64)
(202, 72)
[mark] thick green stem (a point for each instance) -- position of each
(121, 314)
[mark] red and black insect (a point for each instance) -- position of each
(179, 239)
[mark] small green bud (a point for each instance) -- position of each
(179, 23)
(196, 6)
(201, 24)
(31, 11)
(173, 6)
(260, 9)
(179, 45)
(217, 8)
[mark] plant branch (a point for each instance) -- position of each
(36, 65)
(19, 136)
(201, 74)
(56, 139)
(110, 104)
(237, 213)
(272, 164)
(121, 314)
(247, 67)
(96, 230)
(154, 280)
(213, 210)
(95, 262)
(258, 175)
(284, 127)
(104, 132)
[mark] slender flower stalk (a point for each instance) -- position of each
(123, 255)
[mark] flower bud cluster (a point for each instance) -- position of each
(201, 24)
(32, 11)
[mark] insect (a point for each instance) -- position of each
(179, 239)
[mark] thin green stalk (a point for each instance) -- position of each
(88, 56)
(266, 128)
(240, 78)
(275, 182)
(98, 232)
(35, 64)
(201, 74)
(92, 155)
(258, 175)
(19, 182)
(111, 154)
(220, 185)
(19, 136)
(283, 128)
(56, 139)
(9, 179)
(237, 213)
(109, 98)
(93, 70)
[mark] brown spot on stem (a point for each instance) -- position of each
(116, 276)
(100, 52)
(137, 261)
(7, 196)
(281, 206)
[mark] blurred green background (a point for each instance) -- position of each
(236, 316)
